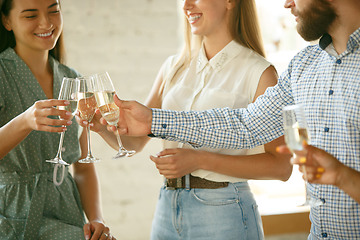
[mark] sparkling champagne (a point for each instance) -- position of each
(104, 97)
(71, 107)
(86, 105)
(110, 113)
(294, 138)
(107, 107)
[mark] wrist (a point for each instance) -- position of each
(343, 173)
(149, 133)
(97, 219)
(22, 123)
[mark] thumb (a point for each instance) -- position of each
(120, 103)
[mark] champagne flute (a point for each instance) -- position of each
(296, 133)
(104, 94)
(86, 108)
(68, 91)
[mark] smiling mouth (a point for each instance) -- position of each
(43, 35)
(193, 18)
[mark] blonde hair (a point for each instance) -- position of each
(243, 27)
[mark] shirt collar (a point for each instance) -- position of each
(352, 44)
(230, 51)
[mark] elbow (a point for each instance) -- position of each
(285, 172)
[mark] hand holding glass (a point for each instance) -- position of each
(296, 132)
(86, 108)
(104, 94)
(68, 91)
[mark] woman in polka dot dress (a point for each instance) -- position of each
(31, 71)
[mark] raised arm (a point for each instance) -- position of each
(34, 118)
(259, 123)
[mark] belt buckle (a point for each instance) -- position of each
(177, 185)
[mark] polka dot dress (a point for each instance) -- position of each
(31, 206)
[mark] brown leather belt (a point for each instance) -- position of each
(195, 182)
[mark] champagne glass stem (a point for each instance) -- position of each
(58, 155)
(122, 150)
(58, 158)
(119, 141)
(89, 154)
(306, 182)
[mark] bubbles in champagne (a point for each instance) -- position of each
(110, 112)
(86, 105)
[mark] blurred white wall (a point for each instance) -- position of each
(130, 39)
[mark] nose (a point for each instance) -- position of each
(289, 4)
(187, 4)
(44, 22)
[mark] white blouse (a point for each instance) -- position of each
(229, 79)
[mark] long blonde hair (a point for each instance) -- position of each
(243, 27)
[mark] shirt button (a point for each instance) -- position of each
(322, 200)
(163, 137)
(164, 125)
(338, 61)
(331, 92)
(326, 129)
(324, 235)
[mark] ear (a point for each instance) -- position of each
(230, 4)
(5, 22)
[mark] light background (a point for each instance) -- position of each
(131, 39)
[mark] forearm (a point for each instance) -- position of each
(89, 189)
(133, 143)
(349, 182)
(14, 132)
(217, 128)
(263, 166)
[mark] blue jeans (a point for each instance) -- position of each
(203, 214)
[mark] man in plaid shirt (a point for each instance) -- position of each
(325, 78)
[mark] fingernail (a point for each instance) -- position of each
(87, 237)
(85, 122)
(69, 122)
(66, 102)
(320, 170)
(68, 113)
(302, 160)
(277, 149)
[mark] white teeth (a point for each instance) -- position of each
(44, 34)
(194, 18)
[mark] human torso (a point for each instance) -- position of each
(25, 178)
(229, 79)
(328, 85)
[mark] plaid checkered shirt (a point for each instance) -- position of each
(328, 85)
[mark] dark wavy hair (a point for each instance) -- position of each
(7, 38)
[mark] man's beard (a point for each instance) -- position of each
(315, 20)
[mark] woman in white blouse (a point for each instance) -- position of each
(206, 194)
